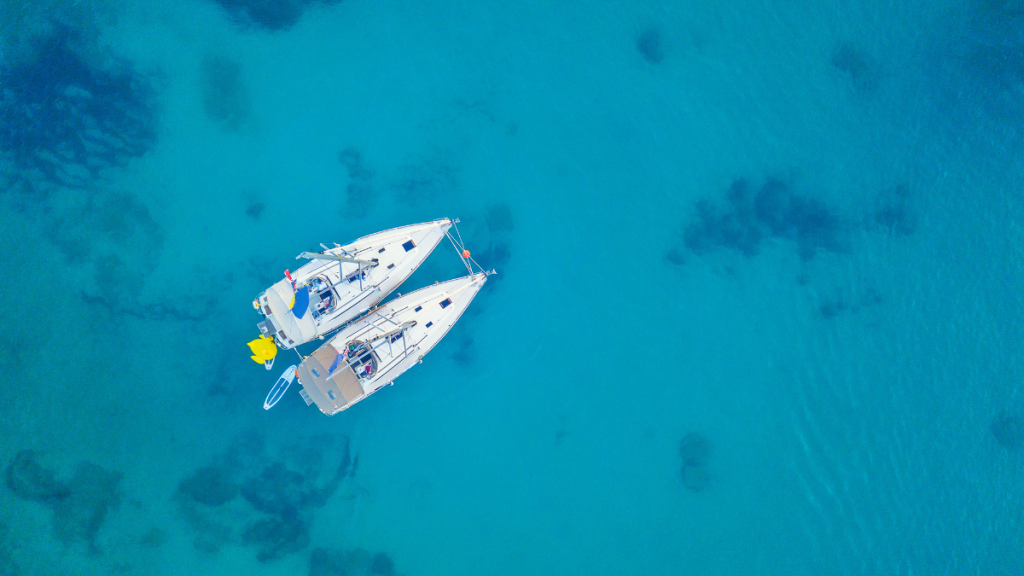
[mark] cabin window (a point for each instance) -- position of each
(429, 324)
(418, 308)
(315, 373)
(409, 245)
(381, 251)
(446, 302)
(330, 393)
(390, 266)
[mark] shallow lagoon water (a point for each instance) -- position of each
(757, 312)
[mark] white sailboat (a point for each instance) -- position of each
(371, 352)
(339, 284)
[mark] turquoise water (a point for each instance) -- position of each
(757, 312)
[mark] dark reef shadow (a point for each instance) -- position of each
(359, 195)
(225, 98)
(753, 216)
(263, 499)
(64, 119)
(1008, 430)
(649, 44)
(268, 15)
(862, 70)
(79, 505)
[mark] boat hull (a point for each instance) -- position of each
(400, 333)
(339, 292)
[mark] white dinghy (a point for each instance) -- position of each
(370, 353)
(339, 284)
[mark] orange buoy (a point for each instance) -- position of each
(465, 253)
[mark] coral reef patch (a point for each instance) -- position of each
(359, 198)
(499, 218)
(80, 505)
(255, 210)
(464, 353)
(29, 480)
(264, 500)
(225, 99)
(425, 182)
(772, 211)
(270, 15)
(1008, 430)
(649, 46)
(356, 562)
(210, 486)
(856, 65)
(833, 307)
(8, 567)
(67, 117)
(986, 52)
(695, 454)
(893, 211)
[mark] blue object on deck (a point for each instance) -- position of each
(301, 302)
(334, 365)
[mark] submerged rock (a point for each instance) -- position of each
(65, 120)
(271, 15)
(277, 490)
(209, 485)
(80, 506)
(382, 565)
(773, 211)
(649, 45)
(1008, 430)
(278, 499)
(225, 98)
(29, 480)
(694, 449)
(355, 562)
(499, 218)
(695, 453)
(696, 478)
(94, 493)
(277, 537)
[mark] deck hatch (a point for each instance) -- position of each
(446, 302)
(409, 245)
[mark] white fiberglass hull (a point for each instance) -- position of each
(411, 325)
(341, 291)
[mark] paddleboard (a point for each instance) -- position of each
(279, 388)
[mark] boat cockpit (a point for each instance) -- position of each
(361, 358)
(322, 298)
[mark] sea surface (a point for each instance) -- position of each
(757, 311)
